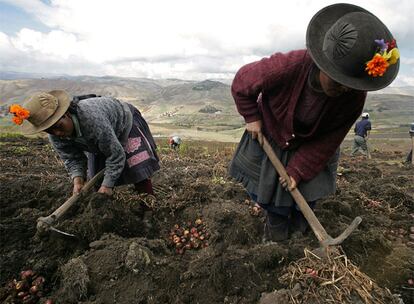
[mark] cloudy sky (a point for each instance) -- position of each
(185, 39)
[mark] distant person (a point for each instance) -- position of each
(305, 102)
(174, 142)
(113, 132)
(409, 159)
(362, 130)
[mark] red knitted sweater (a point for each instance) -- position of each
(281, 79)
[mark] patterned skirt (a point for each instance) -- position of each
(140, 151)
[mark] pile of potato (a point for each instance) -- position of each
(29, 289)
(189, 236)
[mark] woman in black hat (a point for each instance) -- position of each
(305, 102)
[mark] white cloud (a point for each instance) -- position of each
(59, 44)
(5, 44)
(404, 80)
(186, 39)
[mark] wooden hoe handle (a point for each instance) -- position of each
(323, 237)
(308, 213)
(43, 223)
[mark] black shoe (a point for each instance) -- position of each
(275, 228)
(298, 222)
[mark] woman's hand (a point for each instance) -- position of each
(78, 183)
(285, 185)
(105, 190)
(255, 129)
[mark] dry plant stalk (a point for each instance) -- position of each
(333, 280)
(129, 198)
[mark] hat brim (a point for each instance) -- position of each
(315, 34)
(63, 105)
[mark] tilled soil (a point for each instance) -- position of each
(120, 254)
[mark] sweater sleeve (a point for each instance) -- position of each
(74, 159)
(250, 80)
(312, 156)
(109, 145)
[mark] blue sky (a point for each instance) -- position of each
(13, 19)
(163, 39)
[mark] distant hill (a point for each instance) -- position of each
(390, 109)
(407, 90)
(5, 75)
(179, 106)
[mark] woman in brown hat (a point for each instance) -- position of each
(113, 132)
(305, 102)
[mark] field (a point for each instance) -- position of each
(117, 256)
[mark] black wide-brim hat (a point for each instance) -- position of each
(341, 40)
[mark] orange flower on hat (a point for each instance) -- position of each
(17, 120)
(377, 66)
(19, 112)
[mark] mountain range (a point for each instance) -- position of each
(199, 109)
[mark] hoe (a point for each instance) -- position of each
(45, 224)
(323, 237)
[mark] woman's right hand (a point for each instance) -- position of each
(77, 184)
(255, 129)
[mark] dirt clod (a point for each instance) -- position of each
(75, 280)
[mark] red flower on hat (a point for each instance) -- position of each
(19, 112)
(392, 44)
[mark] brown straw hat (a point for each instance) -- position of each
(46, 108)
(341, 40)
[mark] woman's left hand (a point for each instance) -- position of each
(285, 185)
(105, 190)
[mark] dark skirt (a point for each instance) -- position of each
(251, 167)
(140, 151)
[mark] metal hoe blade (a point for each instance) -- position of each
(61, 232)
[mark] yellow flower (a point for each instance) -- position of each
(392, 56)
